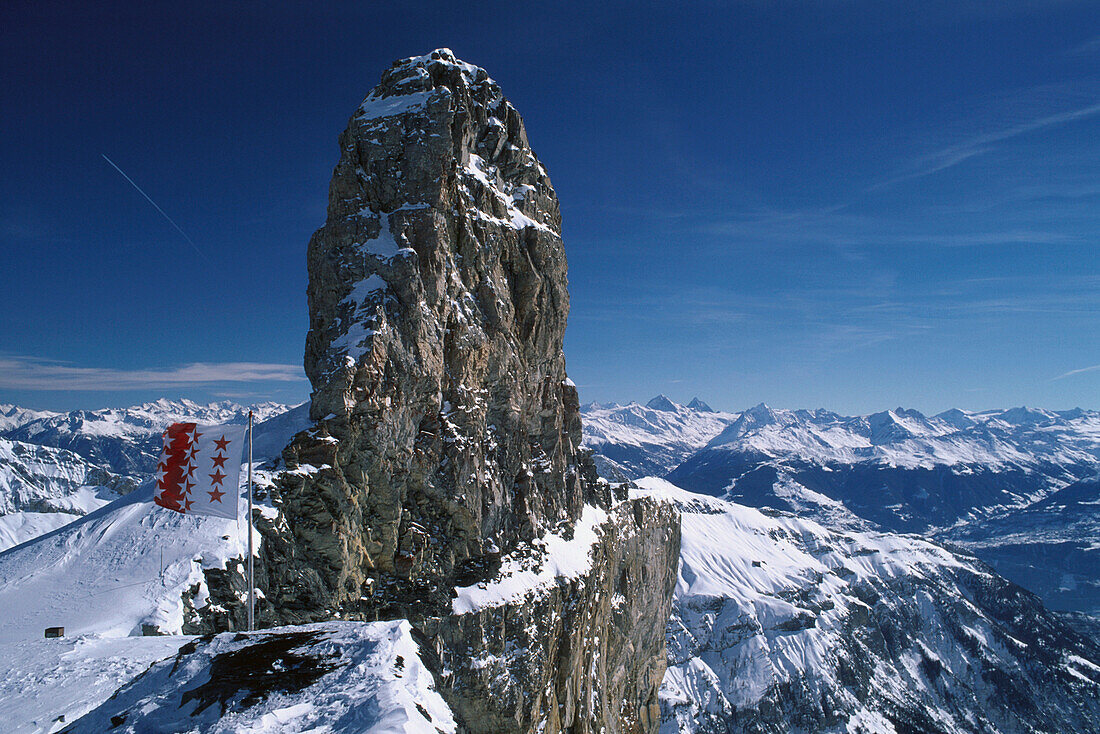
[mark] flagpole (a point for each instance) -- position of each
(251, 579)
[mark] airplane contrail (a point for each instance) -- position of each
(157, 207)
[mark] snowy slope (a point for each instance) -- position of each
(961, 476)
(333, 677)
(45, 684)
(102, 574)
(43, 488)
(128, 569)
(1051, 547)
(13, 416)
(339, 676)
(274, 432)
(632, 441)
(19, 527)
(107, 577)
(782, 625)
(100, 578)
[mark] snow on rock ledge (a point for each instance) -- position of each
(556, 558)
(337, 677)
(574, 646)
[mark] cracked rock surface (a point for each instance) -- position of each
(446, 433)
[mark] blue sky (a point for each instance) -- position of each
(840, 204)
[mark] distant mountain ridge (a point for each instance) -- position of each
(905, 437)
(14, 416)
(55, 467)
(633, 441)
(124, 440)
(989, 480)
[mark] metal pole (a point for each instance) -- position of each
(251, 579)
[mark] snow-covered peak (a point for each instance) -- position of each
(408, 85)
(752, 419)
(762, 415)
(442, 56)
(661, 402)
(959, 419)
(13, 416)
(895, 425)
(906, 437)
(697, 404)
(635, 440)
(1024, 416)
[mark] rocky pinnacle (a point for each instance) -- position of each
(446, 433)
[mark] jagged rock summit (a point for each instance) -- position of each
(446, 435)
(699, 405)
(438, 301)
(661, 402)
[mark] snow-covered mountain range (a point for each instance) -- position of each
(779, 621)
(990, 480)
(898, 468)
(780, 624)
(55, 467)
(632, 441)
(124, 440)
(665, 434)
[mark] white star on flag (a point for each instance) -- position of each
(199, 469)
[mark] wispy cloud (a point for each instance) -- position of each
(1087, 48)
(31, 373)
(843, 231)
(975, 145)
(1071, 373)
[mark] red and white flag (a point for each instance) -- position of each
(199, 469)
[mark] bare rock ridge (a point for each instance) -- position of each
(446, 436)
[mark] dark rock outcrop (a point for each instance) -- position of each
(446, 428)
(446, 433)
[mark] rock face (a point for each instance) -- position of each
(446, 432)
(576, 655)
